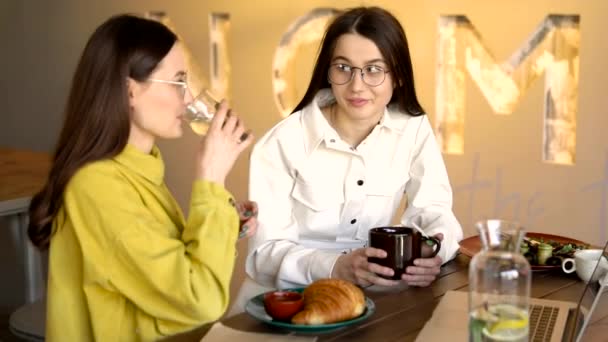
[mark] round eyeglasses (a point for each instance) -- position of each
(372, 75)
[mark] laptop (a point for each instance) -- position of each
(549, 320)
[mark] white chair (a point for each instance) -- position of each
(28, 321)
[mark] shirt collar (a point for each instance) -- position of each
(314, 124)
(388, 118)
(150, 166)
(318, 129)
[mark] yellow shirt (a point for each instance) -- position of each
(124, 265)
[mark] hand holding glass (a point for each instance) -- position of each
(200, 111)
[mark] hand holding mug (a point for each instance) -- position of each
(407, 252)
(425, 269)
(356, 268)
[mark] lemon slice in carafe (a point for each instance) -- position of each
(511, 323)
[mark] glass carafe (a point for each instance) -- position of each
(499, 285)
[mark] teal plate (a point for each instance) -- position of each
(255, 308)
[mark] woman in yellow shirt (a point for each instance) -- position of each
(124, 264)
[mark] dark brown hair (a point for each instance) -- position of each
(97, 123)
(381, 27)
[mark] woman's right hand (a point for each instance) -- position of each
(355, 268)
(221, 145)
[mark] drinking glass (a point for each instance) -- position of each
(200, 111)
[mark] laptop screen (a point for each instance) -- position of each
(591, 301)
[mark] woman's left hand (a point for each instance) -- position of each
(248, 217)
(425, 270)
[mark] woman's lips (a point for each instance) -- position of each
(358, 102)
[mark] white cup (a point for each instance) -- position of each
(584, 262)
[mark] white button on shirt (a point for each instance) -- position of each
(318, 196)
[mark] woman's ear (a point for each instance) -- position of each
(133, 90)
(131, 85)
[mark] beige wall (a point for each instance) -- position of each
(44, 39)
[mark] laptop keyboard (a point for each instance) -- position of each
(542, 321)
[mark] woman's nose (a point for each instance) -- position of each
(357, 81)
(188, 96)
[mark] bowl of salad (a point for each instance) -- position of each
(543, 251)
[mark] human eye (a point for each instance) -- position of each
(373, 69)
(343, 67)
(181, 82)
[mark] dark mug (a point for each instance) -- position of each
(402, 246)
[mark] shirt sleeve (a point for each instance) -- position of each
(275, 259)
(181, 282)
(429, 194)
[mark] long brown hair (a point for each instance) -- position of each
(381, 27)
(97, 120)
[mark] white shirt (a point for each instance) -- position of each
(318, 197)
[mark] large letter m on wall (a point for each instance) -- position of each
(553, 49)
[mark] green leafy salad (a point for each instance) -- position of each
(540, 252)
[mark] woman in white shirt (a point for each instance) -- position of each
(341, 163)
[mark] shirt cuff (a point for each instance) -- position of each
(322, 264)
(203, 191)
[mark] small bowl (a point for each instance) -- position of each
(282, 305)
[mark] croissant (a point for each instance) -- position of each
(329, 301)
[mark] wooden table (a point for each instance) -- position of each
(22, 174)
(401, 315)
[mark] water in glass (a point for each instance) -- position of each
(200, 111)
